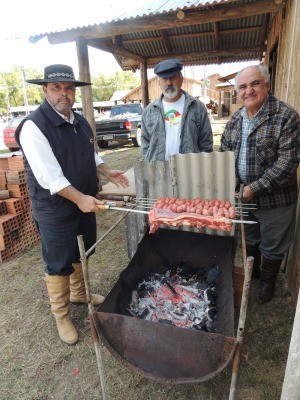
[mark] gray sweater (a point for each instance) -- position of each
(196, 133)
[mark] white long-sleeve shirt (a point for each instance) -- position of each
(43, 162)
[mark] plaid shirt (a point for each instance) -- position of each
(273, 152)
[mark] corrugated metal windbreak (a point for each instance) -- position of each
(205, 175)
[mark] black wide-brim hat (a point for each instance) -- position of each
(58, 73)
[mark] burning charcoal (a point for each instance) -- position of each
(210, 296)
(212, 275)
(179, 316)
(204, 327)
(175, 299)
(201, 285)
(170, 286)
(165, 321)
(211, 312)
(198, 320)
(134, 299)
(144, 314)
(141, 289)
(144, 291)
(197, 327)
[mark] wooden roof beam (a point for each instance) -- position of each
(115, 49)
(166, 21)
(166, 41)
(263, 32)
(216, 35)
(203, 55)
(192, 35)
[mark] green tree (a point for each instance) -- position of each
(12, 86)
(104, 85)
(14, 89)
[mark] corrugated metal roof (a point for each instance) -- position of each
(153, 7)
(148, 8)
(154, 31)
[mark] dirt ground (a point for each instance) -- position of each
(36, 365)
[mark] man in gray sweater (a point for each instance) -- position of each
(175, 122)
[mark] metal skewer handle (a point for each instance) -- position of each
(108, 207)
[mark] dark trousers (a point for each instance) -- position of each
(59, 242)
(274, 232)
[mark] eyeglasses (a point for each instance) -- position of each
(253, 85)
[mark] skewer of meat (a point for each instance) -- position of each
(205, 207)
(165, 216)
(151, 203)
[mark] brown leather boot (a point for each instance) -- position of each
(77, 288)
(269, 272)
(253, 251)
(59, 292)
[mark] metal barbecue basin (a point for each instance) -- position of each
(163, 352)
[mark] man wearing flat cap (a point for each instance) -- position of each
(176, 122)
(62, 168)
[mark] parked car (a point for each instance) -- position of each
(9, 133)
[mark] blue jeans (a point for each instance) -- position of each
(274, 232)
(59, 242)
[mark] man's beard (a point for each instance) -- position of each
(171, 92)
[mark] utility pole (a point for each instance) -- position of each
(7, 97)
(24, 92)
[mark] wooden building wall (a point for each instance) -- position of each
(192, 86)
(287, 86)
(285, 34)
(211, 90)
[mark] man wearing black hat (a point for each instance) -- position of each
(62, 168)
(176, 122)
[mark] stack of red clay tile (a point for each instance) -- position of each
(17, 228)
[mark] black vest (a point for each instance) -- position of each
(72, 145)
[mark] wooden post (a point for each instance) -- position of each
(291, 383)
(86, 91)
(84, 263)
(241, 325)
(144, 84)
(220, 105)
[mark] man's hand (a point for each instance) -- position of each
(113, 175)
(84, 202)
(117, 177)
(247, 194)
(88, 203)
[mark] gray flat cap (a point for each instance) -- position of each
(168, 68)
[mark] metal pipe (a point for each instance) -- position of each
(108, 207)
(84, 263)
(106, 233)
